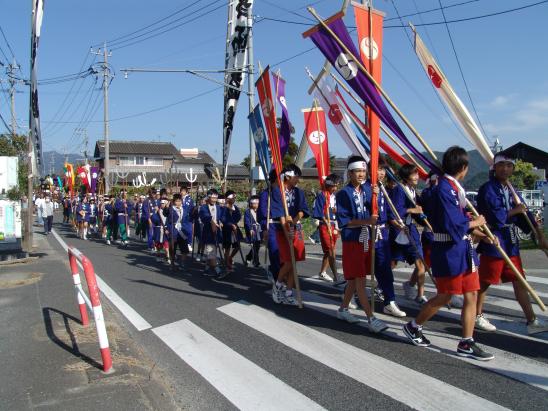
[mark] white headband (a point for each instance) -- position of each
(357, 164)
(501, 158)
(289, 173)
(254, 201)
(231, 196)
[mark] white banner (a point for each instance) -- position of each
(455, 105)
(324, 92)
(239, 27)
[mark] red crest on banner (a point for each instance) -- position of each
(316, 135)
(434, 76)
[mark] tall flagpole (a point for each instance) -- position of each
(251, 98)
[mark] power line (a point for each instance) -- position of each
(435, 23)
(153, 33)
(5, 124)
(7, 42)
(190, 4)
(461, 71)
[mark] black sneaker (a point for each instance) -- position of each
(470, 349)
(415, 335)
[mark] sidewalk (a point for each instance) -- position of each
(50, 361)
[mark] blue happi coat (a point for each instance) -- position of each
(318, 210)
(230, 219)
(82, 207)
(123, 210)
(296, 202)
(252, 224)
(494, 202)
(425, 201)
(452, 250)
(352, 205)
(174, 223)
(404, 252)
(188, 207)
(159, 220)
(205, 216)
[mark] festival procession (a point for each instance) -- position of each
(380, 246)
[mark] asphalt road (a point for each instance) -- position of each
(229, 346)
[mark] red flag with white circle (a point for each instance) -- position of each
(316, 136)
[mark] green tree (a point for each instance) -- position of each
(523, 177)
(16, 146)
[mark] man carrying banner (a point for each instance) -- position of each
(503, 215)
(288, 227)
(231, 232)
(269, 232)
(211, 216)
(324, 211)
(354, 220)
(253, 230)
(454, 260)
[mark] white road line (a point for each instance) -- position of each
(132, 316)
(403, 384)
(505, 326)
(242, 382)
(505, 363)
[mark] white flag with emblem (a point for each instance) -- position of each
(453, 102)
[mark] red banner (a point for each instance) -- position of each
(369, 23)
(316, 135)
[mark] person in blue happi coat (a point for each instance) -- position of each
(324, 211)
(188, 206)
(454, 259)
(122, 208)
(383, 256)
(253, 230)
(505, 214)
(174, 224)
(211, 215)
(406, 247)
(232, 234)
(269, 233)
(82, 217)
(288, 227)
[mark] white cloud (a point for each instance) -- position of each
(500, 101)
(532, 116)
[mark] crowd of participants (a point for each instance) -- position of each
(433, 231)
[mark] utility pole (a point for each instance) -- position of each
(106, 75)
(51, 164)
(12, 81)
(251, 96)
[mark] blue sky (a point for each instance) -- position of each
(503, 58)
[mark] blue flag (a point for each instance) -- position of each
(259, 136)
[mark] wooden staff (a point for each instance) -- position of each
(484, 227)
(374, 196)
(276, 157)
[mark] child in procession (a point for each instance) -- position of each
(504, 215)
(253, 230)
(289, 232)
(454, 260)
(211, 215)
(324, 211)
(407, 249)
(354, 219)
(231, 232)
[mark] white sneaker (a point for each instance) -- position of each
(456, 301)
(421, 300)
(536, 326)
(376, 325)
(276, 294)
(324, 276)
(345, 315)
(483, 323)
(394, 310)
(108, 242)
(289, 300)
(189, 248)
(352, 304)
(409, 290)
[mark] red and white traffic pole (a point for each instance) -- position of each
(78, 288)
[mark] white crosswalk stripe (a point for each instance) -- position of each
(403, 384)
(243, 383)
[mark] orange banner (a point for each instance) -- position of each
(316, 135)
(369, 22)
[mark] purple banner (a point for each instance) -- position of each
(284, 136)
(94, 173)
(347, 67)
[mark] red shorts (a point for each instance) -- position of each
(283, 246)
(426, 253)
(325, 239)
(494, 270)
(355, 261)
(459, 284)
